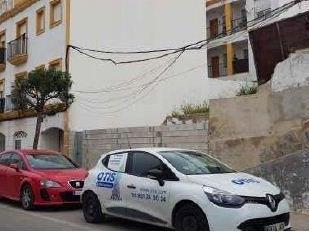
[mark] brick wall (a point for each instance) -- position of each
(87, 146)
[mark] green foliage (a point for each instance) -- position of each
(247, 90)
(191, 109)
(41, 87)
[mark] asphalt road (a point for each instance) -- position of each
(12, 217)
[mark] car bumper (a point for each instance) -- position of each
(248, 217)
(57, 196)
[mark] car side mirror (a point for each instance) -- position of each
(156, 174)
(15, 166)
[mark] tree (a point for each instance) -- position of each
(41, 88)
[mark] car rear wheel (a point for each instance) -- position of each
(92, 208)
(27, 197)
(190, 218)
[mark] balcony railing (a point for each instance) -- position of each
(263, 13)
(5, 5)
(241, 66)
(217, 71)
(239, 24)
(219, 32)
(2, 105)
(17, 50)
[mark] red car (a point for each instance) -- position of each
(39, 177)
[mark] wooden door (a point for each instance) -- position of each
(213, 27)
(215, 66)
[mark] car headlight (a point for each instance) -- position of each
(49, 184)
(223, 198)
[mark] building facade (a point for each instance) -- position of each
(36, 33)
(32, 36)
(230, 55)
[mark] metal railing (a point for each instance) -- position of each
(262, 13)
(6, 5)
(239, 24)
(218, 71)
(2, 55)
(220, 32)
(18, 46)
(241, 66)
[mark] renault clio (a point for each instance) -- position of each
(181, 189)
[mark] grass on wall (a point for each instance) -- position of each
(191, 109)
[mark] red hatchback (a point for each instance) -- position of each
(39, 177)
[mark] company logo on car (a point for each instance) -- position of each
(106, 179)
(242, 181)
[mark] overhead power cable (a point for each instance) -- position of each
(170, 51)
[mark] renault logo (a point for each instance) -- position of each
(272, 204)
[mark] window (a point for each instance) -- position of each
(116, 162)
(55, 13)
(40, 21)
(17, 144)
(50, 161)
(225, 60)
(19, 136)
(194, 163)
(21, 27)
(246, 54)
(2, 39)
(5, 159)
(142, 163)
(56, 64)
(16, 159)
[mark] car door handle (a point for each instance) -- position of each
(131, 186)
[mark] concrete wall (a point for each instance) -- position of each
(139, 25)
(249, 130)
(88, 146)
(290, 173)
(27, 125)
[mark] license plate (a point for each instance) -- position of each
(275, 227)
(77, 193)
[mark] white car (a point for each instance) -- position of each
(183, 190)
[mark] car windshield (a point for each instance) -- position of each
(194, 163)
(44, 161)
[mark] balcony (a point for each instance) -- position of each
(215, 71)
(263, 14)
(2, 59)
(216, 31)
(6, 5)
(241, 66)
(239, 24)
(17, 51)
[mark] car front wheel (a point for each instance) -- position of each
(27, 197)
(190, 218)
(92, 208)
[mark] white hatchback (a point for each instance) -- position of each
(183, 190)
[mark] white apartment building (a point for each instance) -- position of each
(229, 52)
(34, 33)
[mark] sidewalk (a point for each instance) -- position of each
(299, 221)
